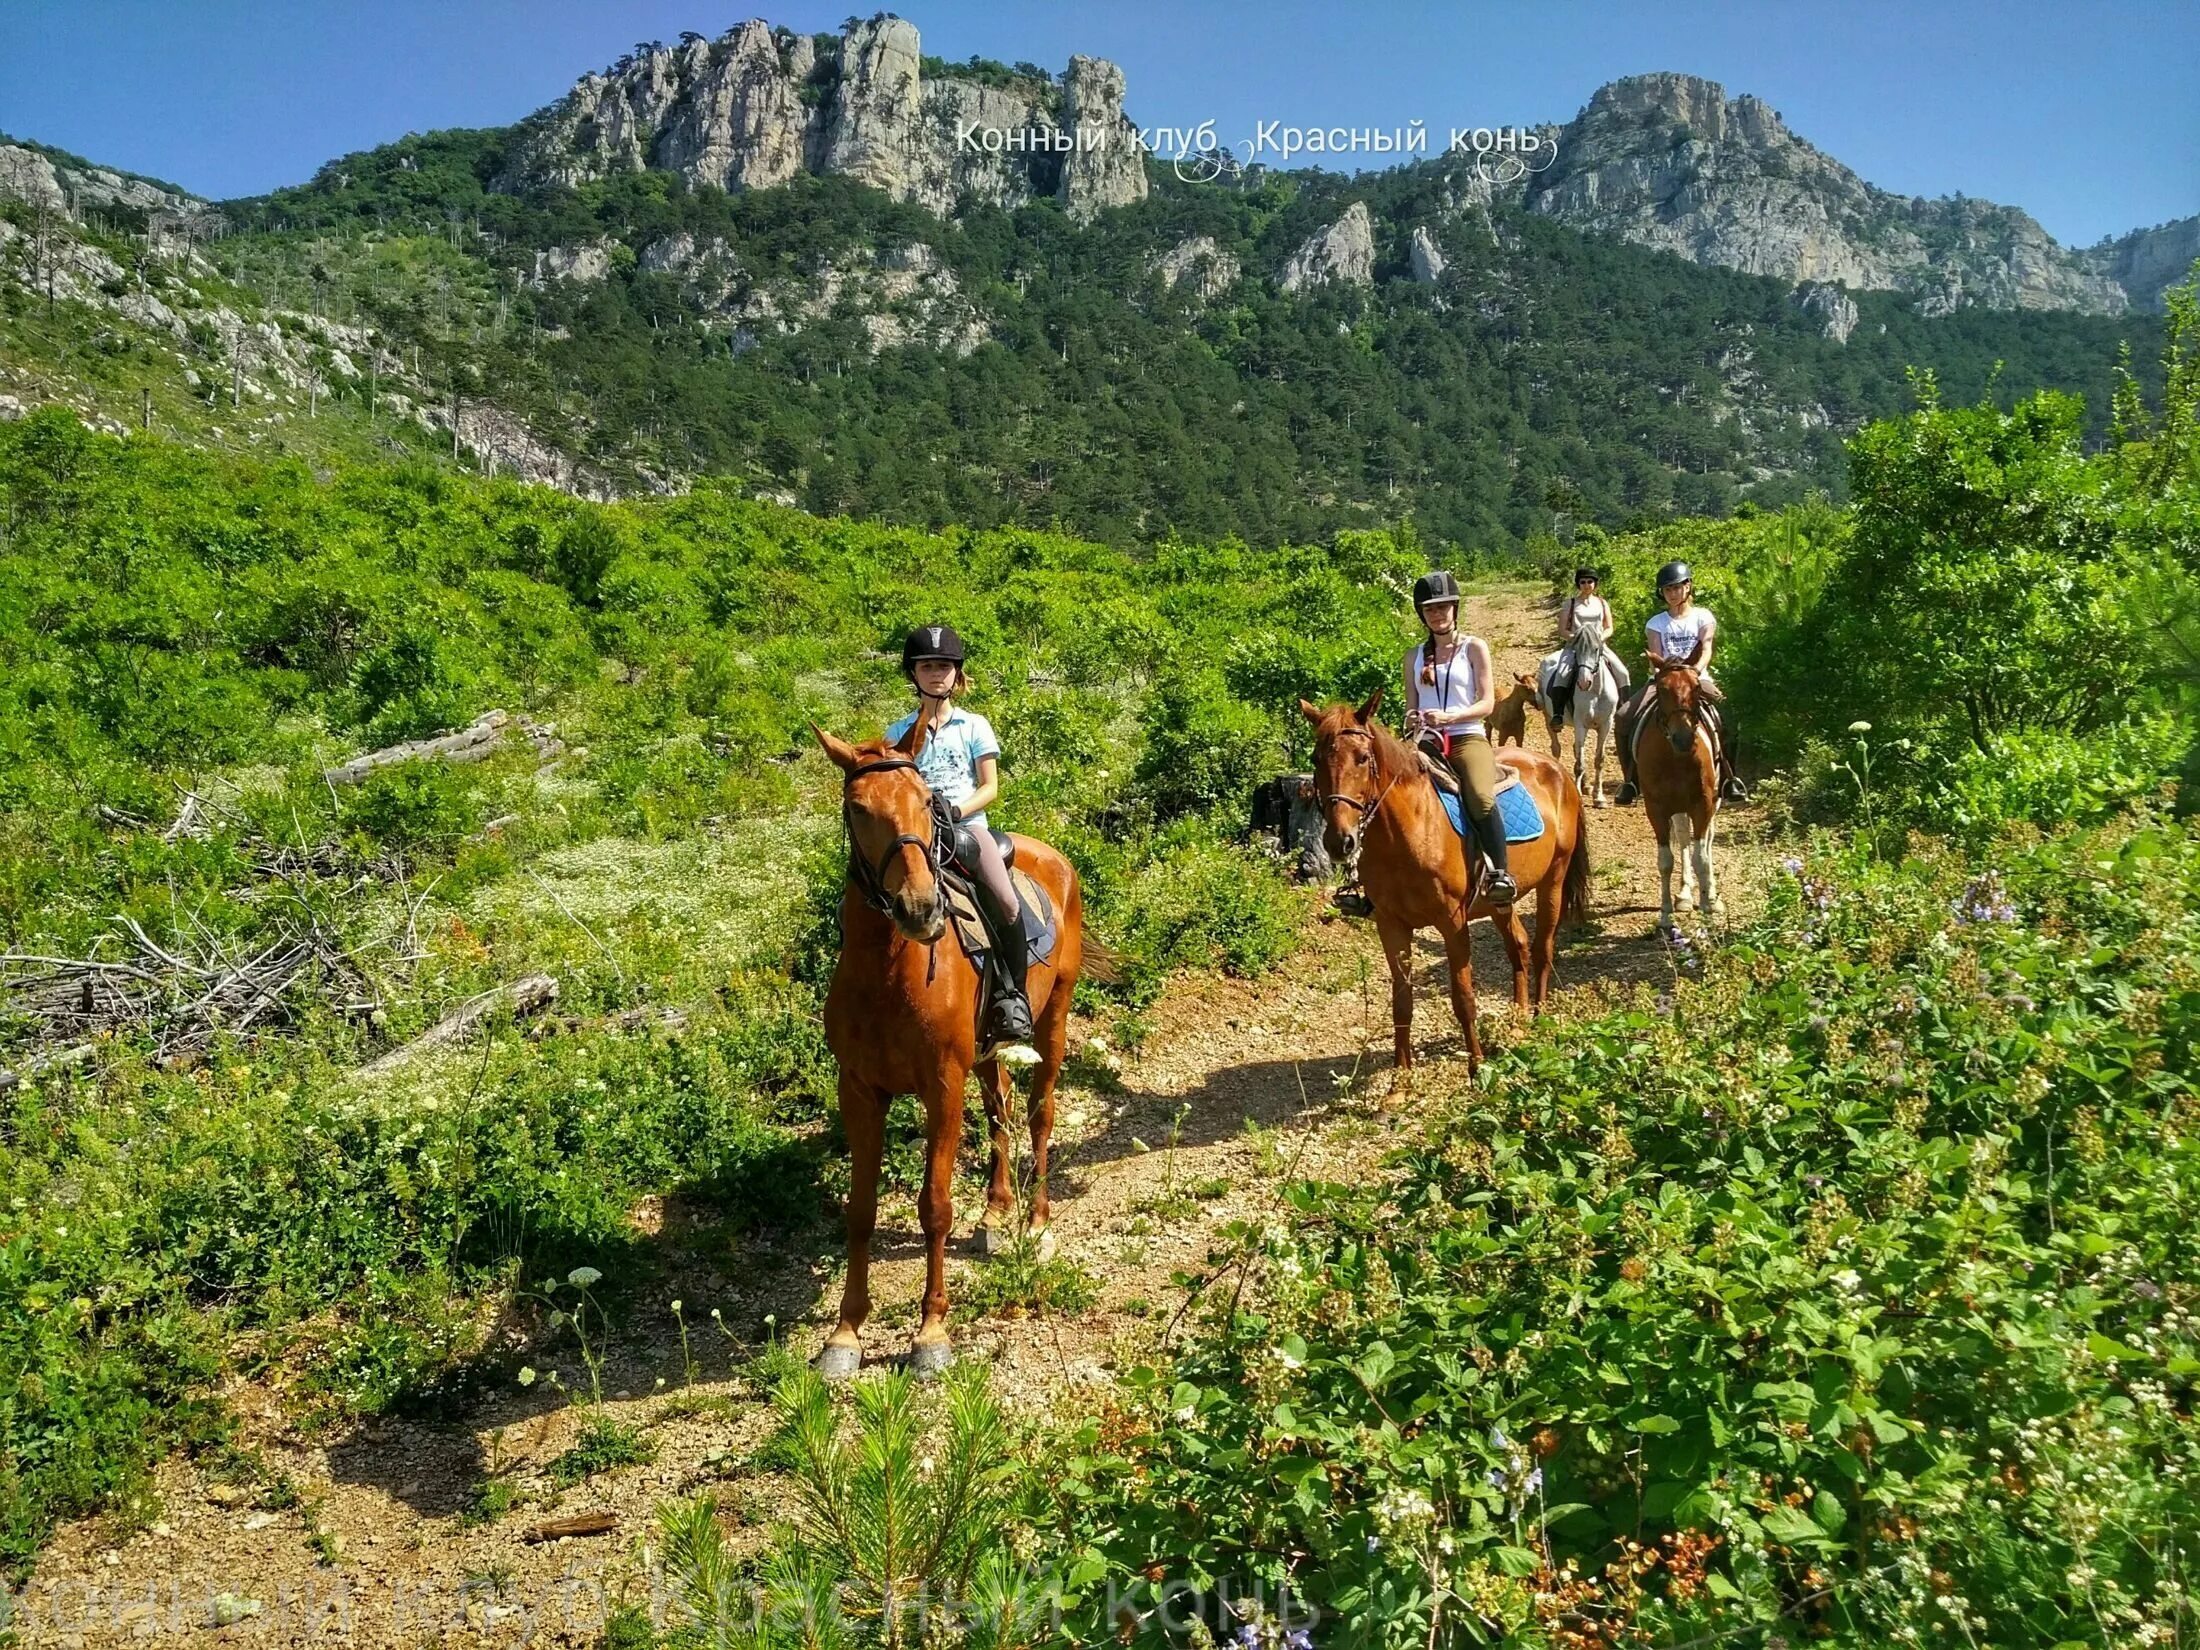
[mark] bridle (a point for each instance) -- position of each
(1367, 810)
(870, 879)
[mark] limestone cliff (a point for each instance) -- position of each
(759, 105)
(2147, 261)
(1669, 161)
(1345, 251)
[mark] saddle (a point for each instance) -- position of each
(1447, 782)
(963, 910)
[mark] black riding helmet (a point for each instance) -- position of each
(931, 641)
(1436, 586)
(1672, 573)
(1585, 575)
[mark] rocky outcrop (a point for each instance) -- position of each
(1345, 252)
(898, 293)
(1202, 263)
(48, 180)
(759, 105)
(1669, 161)
(1834, 308)
(1107, 165)
(583, 265)
(1426, 256)
(2147, 262)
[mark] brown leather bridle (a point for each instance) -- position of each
(1366, 809)
(870, 879)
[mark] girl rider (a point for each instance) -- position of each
(960, 759)
(1450, 691)
(1677, 634)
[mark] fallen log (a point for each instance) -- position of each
(589, 1523)
(59, 1060)
(468, 744)
(528, 996)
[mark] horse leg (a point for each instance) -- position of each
(933, 1351)
(1707, 886)
(863, 1117)
(1514, 933)
(1662, 824)
(1052, 1043)
(1000, 1192)
(1581, 736)
(1459, 958)
(1604, 739)
(1548, 898)
(1397, 941)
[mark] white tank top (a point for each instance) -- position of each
(1588, 613)
(1677, 638)
(1454, 688)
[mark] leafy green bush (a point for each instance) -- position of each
(1843, 1291)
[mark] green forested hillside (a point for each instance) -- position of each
(1548, 377)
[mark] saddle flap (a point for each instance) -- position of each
(1448, 782)
(1039, 923)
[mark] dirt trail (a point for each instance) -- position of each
(1236, 1084)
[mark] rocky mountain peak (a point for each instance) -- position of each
(1670, 161)
(758, 105)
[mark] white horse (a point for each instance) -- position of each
(1600, 684)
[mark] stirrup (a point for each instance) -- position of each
(1499, 888)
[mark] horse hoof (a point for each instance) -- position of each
(1046, 1243)
(930, 1358)
(838, 1363)
(990, 1240)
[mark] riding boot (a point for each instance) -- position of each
(1624, 731)
(1489, 831)
(1008, 1027)
(1731, 787)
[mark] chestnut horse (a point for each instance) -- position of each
(901, 1018)
(1383, 815)
(1677, 771)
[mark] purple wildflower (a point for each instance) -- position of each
(1792, 866)
(1983, 900)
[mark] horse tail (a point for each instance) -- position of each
(1576, 891)
(1101, 964)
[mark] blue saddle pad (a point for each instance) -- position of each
(1515, 806)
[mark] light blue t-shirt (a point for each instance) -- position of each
(949, 760)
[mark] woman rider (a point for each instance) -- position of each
(1450, 691)
(1677, 634)
(1583, 607)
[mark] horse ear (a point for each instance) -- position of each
(1311, 711)
(1696, 652)
(1526, 681)
(1366, 713)
(843, 754)
(911, 737)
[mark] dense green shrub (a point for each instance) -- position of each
(1844, 1290)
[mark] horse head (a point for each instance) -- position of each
(1678, 703)
(1588, 659)
(895, 846)
(1348, 772)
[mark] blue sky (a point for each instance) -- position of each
(2087, 115)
